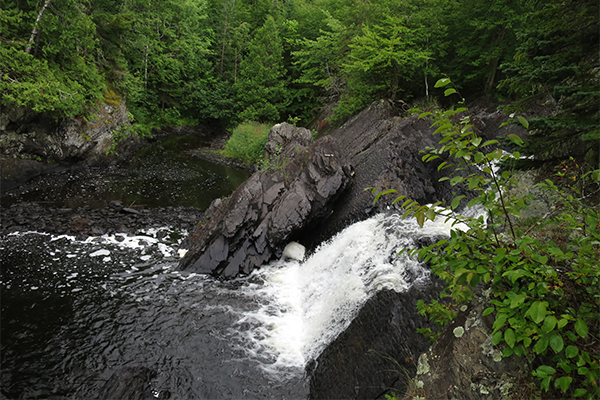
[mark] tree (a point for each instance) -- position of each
(558, 59)
(380, 59)
(480, 35)
(54, 71)
(261, 88)
(542, 272)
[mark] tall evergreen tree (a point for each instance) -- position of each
(261, 87)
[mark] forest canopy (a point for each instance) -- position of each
(191, 61)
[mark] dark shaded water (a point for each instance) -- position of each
(74, 313)
(164, 174)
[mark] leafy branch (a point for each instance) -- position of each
(543, 272)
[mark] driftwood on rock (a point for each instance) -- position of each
(271, 208)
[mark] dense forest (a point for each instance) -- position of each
(200, 61)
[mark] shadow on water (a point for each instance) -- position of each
(161, 175)
(77, 314)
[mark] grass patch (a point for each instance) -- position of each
(247, 142)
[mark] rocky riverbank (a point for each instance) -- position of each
(83, 222)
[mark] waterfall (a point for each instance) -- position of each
(306, 305)
(96, 306)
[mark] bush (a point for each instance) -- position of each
(247, 142)
(543, 272)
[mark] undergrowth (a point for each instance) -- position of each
(543, 272)
(247, 142)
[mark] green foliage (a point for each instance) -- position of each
(557, 58)
(247, 142)
(543, 273)
(262, 94)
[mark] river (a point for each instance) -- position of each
(77, 312)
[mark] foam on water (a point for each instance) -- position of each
(306, 305)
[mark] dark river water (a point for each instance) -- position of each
(164, 174)
(78, 314)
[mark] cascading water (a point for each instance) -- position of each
(75, 312)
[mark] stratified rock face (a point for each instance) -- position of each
(378, 352)
(32, 135)
(384, 149)
(271, 208)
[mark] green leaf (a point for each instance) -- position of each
(487, 311)
(497, 338)
(388, 191)
(571, 351)
(583, 370)
(489, 143)
(456, 201)
(563, 383)
(537, 311)
(581, 328)
(562, 322)
(541, 345)
(509, 337)
(517, 300)
(579, 392)
(515, 139)
(442, 82)
(556, 343)
(546, 383)
(544, 370)
(425, 114)
(450, 91)
(549, 323)
(523, 121)
(456, 180)
(420, 218)
(397, 199)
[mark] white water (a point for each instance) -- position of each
(216, 333)
(306, 305)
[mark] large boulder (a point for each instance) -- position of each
(276, 205)
(378, 352)
(384, 148)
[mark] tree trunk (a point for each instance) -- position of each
(489, 83)
(34, 31)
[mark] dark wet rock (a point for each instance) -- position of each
(384, 149)
(378, 352)
(270, 209)
(84, 222)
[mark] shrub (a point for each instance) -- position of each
(247, 142)
(543, 272)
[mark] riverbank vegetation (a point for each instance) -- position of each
(247, 142)
(536, 251)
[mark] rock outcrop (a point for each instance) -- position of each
(384, 150)
(31, 144)
(294, 192)
(378, 352)
(32, 135)
(464, 364)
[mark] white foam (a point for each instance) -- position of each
(308, 304)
